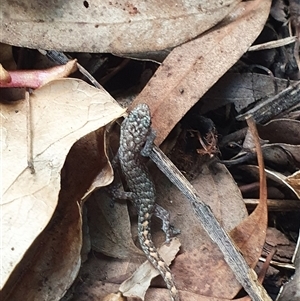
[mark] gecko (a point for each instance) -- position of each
(136, 140)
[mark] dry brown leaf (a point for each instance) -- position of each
(281, 131)
(191, 69)
(110, 228)
(112, 26)
(241, 89)
(277, 179)
(60, 113)
(55, 253)
(278, 158)
(294, 150)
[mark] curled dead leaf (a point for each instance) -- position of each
(60, 113)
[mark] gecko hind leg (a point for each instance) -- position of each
(164, 215)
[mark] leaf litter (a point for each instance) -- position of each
(119, 236)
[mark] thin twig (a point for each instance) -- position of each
(29, 134)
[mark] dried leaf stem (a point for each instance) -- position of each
(262, 174)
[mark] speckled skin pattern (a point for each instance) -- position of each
(137, 139)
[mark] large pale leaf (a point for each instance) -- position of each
(43, 129)
(108, 26)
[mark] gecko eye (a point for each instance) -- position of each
(147, 121)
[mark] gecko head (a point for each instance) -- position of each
(136, 127)
(140, 116)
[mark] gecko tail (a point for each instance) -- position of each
(155, 259)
